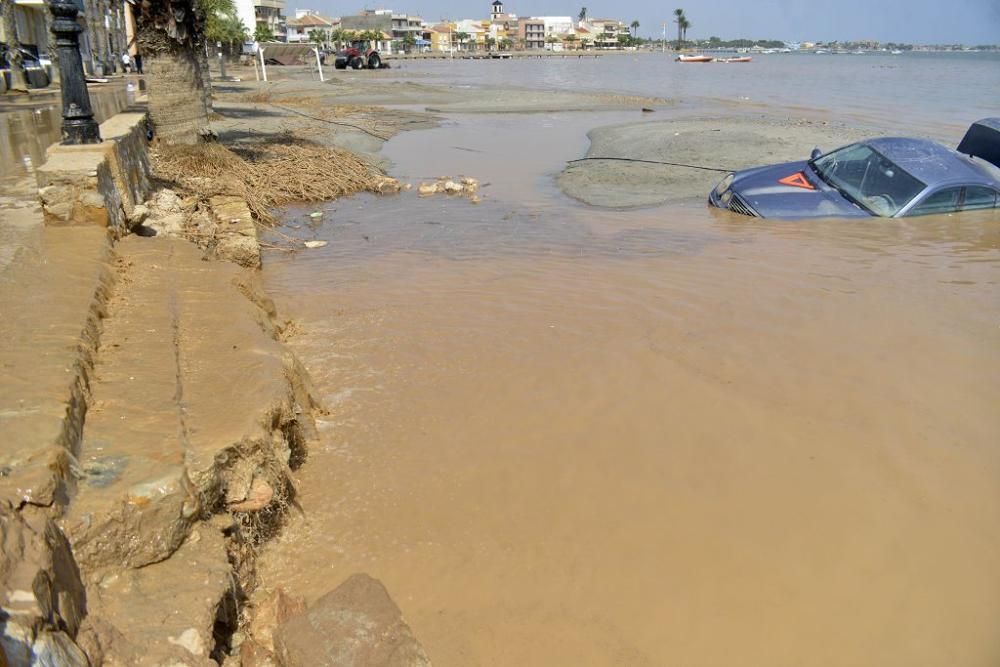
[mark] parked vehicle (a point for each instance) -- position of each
(359, 55)
(888, 177)
(37, 69)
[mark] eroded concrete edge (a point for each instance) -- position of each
(44, 602)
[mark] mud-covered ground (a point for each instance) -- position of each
(360, 112)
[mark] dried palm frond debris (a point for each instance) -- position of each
(269, 173)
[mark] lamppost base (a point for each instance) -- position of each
(80, 131)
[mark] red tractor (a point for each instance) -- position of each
(359, 55)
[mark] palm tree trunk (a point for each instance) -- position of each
(18, 82)
(176, 84)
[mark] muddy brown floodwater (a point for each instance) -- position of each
(669, 436)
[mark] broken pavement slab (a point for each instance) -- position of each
(165, 614)
(163, 446)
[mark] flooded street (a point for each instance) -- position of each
(666, 436)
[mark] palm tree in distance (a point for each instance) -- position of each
(685, 24)
(679, 20)
(583, 13)
(635, 29)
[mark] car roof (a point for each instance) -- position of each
(932, 163)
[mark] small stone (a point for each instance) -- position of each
(408, 186)
(315, 244)
(315, 215)
(451, 187)
(427, 189)
(260, 496)
(388, 186)
(139, 214)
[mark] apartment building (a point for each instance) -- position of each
(531, 33)
(263, 13)
(308, 21)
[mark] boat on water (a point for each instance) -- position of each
(897, 52)
(740, 59)
(694, 59)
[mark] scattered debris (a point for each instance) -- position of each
(463, 186)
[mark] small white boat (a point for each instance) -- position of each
(694, 59)
(897, 52)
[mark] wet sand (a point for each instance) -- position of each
(564, 434)
(711, 146)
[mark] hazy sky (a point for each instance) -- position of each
(918, 21)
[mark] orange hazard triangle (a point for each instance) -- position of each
(797, 180)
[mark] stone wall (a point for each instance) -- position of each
(98, 184)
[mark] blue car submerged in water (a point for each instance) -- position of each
(887, 177)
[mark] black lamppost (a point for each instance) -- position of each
(79, 126)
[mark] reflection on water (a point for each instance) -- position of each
(662, 437)
(26, 133)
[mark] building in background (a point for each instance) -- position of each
(607, 33)
(263, 14)
(308, 22)
(440, 36)
(398, 29)
(531, 33)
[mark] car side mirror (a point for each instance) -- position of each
(816, 152)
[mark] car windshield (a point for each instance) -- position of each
(868, 178)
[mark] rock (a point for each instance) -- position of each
(452, 188)
(475, 199)
(166, 201)
(355, 625)
(316, 215)
(139, 214)
(315, 244)
(408, 187)
(42, 599)
(56, 649)
(253, 654)
(388, 186)
(171, 224)
(271, 612)
(260, 496)
(427, 189)
(470, 181)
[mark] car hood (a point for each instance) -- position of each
(792, 190)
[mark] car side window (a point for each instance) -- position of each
(978, 196)
(943, 201)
